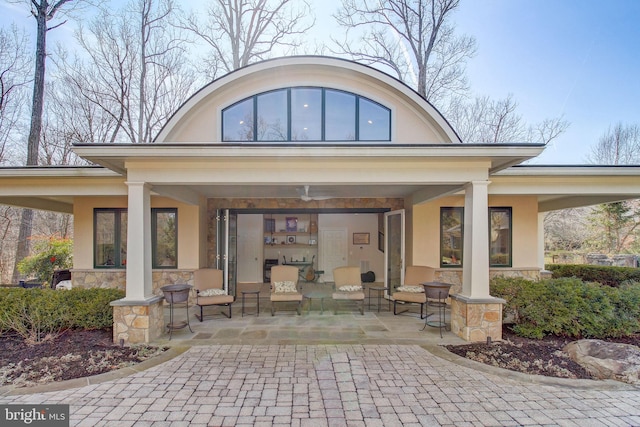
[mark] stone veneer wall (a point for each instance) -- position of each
(137, 323)
(116, 278)
(214, 204)
(474, 320)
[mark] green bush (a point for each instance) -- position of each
(50, 254)
(40, 314)
(569, 307)
(606, 275)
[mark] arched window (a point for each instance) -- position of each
(306, 114)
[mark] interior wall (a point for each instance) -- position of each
(358, 223)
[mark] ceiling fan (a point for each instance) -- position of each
(307, 198)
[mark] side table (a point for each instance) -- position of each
(380, 290)
(316, 295)
(257, 294)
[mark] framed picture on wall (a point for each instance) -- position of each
(292, 223)
(361, 238)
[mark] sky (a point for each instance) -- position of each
(579, 59)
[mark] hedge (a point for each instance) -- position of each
(569, 307)
(37, 314)
(606, 275)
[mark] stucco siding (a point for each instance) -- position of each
(201, 123)
(189, 246)
(426, 229)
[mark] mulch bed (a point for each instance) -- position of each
(539, 357)
(73, 354)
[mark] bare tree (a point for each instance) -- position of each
(14, 68)
(616, 225)
(413, 38)
(239, 32)
(44, 12)
(620, 145)
(131, 75)
(483, 120)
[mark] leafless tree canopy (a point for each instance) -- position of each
(413, 38)
(484, 120)
(620, 145)
(14, 69)
(131, 75)
(240, 32)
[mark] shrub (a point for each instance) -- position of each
(606, 275)
(51, 254)
(569, 307)
(41, 314)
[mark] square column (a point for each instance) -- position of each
(139, 278)
(475, 258)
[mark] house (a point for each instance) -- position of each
(342, 163)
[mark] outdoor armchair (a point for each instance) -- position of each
(412, 292)
(348, 287)
(284, 286)
(208, 283)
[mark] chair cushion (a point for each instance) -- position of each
(214, 300)
(350, 288)
(284, 287)
(416, 289)
(356, 296)
(286, 296)
(212, 292)
(416, 297)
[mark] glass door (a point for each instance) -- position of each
(227, 247)
(394, 249)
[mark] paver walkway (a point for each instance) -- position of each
(335, 385)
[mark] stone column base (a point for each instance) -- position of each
(137, 322)
(476, 319)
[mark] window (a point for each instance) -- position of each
(164, 238)
(110, 238)
(451, 233)
(306, 114)
(500, 237)
(451, 227)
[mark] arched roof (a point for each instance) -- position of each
(414, 119)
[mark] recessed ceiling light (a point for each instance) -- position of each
(241, 122)
(370, 122)
(305, 105)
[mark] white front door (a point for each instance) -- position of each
(250, 244)
(332, 251)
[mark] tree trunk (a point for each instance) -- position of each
(33, 143)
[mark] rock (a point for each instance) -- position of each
(606, 360)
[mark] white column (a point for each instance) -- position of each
(475, 271)
(541, 216)
(139, 279)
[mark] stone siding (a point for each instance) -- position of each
(116, 279)
(475, 321)
(454, 275)
(137, 324)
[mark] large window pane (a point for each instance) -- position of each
(374, 121)
(306, 114)
(237, 122)
(165, 238)
(451, 237)
(272, 116)
(105, 238)
(500, 237)
(340, 116)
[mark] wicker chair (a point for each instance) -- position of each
(284, 286)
